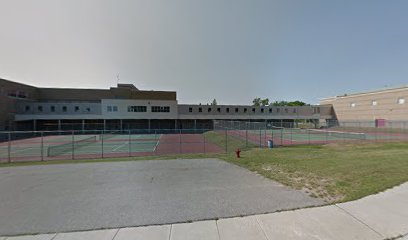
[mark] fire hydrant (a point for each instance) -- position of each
(238, 152)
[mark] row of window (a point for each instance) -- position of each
(54, 108)
(164, 109)
(112, 108)
(245, 110)
(17, 94)
(375, 102)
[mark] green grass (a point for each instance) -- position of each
(334, 172)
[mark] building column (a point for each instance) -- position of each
(175, 124)
(121, 124)
(195, 124)
(104, 124)
(59, 125)
(35, 125)
(83, 124)
(149, 123)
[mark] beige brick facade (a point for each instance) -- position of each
(389, 104)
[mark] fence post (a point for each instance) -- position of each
(180, 149)
(204, 143)
(102, 137)
(260, 138)
(42, 146)
(73, 146)
(226, 141)
(281, 131)
(130, 144)
(246, 137)
(9, 147)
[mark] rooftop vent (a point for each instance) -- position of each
(128, 86)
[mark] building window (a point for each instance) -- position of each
(200, 109)
(52, 108)
(27, 108)
(76, 108)
(262, 110)
(190, 109)
(245, 110)
(137, 109)
(278, 110)
(236, 110)
(401, 100)
(64, 108)
(270, 110)
(88, 109)
(22, 95)
(12, 94)
(109, 108)
(115, 108)
(209, 110)
(160, 109)
(353, 105)
(294, 110)
(40, 108)
(218, 109)
(253, 110)
(227, 109)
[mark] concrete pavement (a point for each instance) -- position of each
(380, 216)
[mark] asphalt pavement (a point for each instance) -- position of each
(87, 196)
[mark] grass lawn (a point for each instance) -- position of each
(334, 172)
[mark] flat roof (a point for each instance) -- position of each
(381, 90)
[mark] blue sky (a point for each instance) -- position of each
(230, 50)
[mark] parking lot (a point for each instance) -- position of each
(71, 197)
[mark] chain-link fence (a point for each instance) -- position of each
(58, 145)
(311, 132)
(226, 137)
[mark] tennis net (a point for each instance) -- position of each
(68, 147)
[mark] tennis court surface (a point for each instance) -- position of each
(77, 145)
(71, 197)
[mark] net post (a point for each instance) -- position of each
(9, 147)
(42, 146)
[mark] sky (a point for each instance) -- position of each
(230, 50)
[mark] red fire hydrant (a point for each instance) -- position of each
(238, 152)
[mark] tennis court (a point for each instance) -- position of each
(81, 146)
(296, 136)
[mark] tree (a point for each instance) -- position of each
(265, 102)
(214, 102)
(291, 104)
(256, 102)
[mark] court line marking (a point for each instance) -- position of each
(157, 143)
(120, 146)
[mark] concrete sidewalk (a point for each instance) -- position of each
(380, 216)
